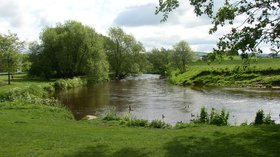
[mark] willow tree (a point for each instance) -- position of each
(68, 50)
(261, 24)
(10, 47)
(123, 52)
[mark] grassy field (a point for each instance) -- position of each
(29, 128)
(263, 72)
(37, 130)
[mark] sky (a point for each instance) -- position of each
(27, 18)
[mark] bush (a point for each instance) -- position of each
(63, 84)
(259, 117)
(268, 120)
(49, 89)
(215, 118)
(219, 119)
(262, 119)
(27, 93)
(203, 115)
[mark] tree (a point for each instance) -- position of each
(68, 50)
(182, 55)
(10, 47)
(261, 24)
(123, 53)
(159, 60)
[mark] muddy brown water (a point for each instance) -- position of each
(151, 97)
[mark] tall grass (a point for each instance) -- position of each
(130, 121)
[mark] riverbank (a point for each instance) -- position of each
(40, 130)
(45, 128)
(262, 73)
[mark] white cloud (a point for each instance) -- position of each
(27, 18)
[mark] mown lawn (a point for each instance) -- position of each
(36, 130)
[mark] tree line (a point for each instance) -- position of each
(72, 49)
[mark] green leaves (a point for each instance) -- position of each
(182, 55)
(123, 53)
(261, 24)
(68, 50)
(10, 58)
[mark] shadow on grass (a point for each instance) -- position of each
(262, 141)
(104, 151)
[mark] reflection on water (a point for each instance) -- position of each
(150, 97)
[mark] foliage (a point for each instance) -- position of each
(159, 124)
(219, 118)
(159, 59)
(134, 122)
(261, 24)
(27, 93)
(10, 47)
(214, 118)
(203, 118)
(111, 116)
(182, 55)
(262, 119)
(68, 50)
(63, 84)
(124, 53)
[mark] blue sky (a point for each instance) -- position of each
(27, 18)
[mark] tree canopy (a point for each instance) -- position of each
(124, 53)
(182, 55)
(261, 24)
(69, 50)
(10, 47)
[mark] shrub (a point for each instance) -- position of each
(63, 84)
(262, 119)
(215, 118)
(219, 119)
(26, 93)
(159, 124)
(259, 117)
(268, 120)
(49, 89)
(203, 115)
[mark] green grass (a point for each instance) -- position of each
(36, 128)
(39, 130)
(20, 81)
(264, 72)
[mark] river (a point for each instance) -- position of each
(151, 97)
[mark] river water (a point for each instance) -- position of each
(151, 97)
